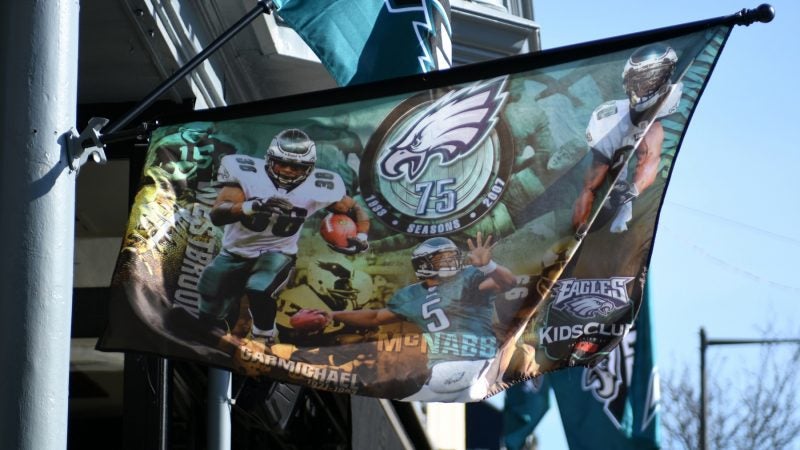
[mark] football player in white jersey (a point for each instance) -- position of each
(618, 126)
(262, 205)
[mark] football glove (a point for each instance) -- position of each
(272, 205)
(355, 245)
(622, 193)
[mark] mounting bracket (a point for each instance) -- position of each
(86, 144)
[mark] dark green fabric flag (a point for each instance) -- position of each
(360, 41)
(615, 403)
(433, 238)
(525, 405)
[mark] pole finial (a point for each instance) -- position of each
(764, 13)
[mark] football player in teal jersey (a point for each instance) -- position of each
(453, 305)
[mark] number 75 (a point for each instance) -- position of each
(444, 198)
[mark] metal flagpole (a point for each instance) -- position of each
(219, 408)
(704, 344)
(39, 54)
(703, 395)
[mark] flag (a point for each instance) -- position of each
(363, 41)
(615, 403)
(525, 405)
(431, 238)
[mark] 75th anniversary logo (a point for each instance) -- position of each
(437, 165)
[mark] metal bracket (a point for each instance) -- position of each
(81, 146)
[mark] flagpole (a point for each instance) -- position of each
(263, 7)
(704, 344)
(764, 13)
(703, 386)
(219, 409)
(37, 191)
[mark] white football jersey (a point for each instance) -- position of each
(611, 126)
(262, 233)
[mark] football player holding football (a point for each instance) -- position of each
(263, 204)
(453, 305)
(618, 126)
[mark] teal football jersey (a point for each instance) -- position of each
(455, 316)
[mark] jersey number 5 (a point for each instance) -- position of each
(440, 321)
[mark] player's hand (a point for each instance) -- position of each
(355, 245)
(310, 320)
(622, 193)
(276, 204)
(359, 243)
(272, 205)
(480, 252)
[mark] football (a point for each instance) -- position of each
(308, 320)
(336, 229)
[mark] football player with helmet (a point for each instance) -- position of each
(188, 157)
(631, 124)
(331, 283)
(451, 303)
(262, 205)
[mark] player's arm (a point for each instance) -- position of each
(231, 206)
(648, 157)
(591, 183)
(228, 206)
(498, 278)
(365, 318)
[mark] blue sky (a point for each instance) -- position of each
(723, 255)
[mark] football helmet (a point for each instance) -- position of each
(647, 73)
(436, 257)
(295, 154)
(195, 132)
(333, 282)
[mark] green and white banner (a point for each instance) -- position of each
(360, 41)
(437, 238)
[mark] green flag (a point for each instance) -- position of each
(615, 403)
(360, 41)
(432, 238)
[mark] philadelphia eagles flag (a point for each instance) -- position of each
(616, 402)
(361, 41)
(432, 238)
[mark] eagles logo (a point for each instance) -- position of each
(606, 382)
(435, 55)
(586, 316)
(451, 129)
(591, 298)
(436, 165)
(589, 307)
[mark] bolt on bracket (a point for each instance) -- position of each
(80, 147)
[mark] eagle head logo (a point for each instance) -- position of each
(450, 128)
(589, 307)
